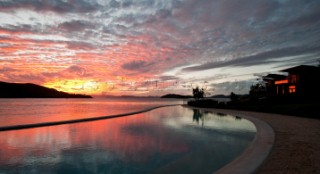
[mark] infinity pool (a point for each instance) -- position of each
(172, 139)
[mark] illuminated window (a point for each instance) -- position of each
(292, 89)
(280, 82)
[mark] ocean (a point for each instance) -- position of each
(30, 111)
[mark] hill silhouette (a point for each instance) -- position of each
(29, 90)
(176, 96)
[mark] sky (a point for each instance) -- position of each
(154, 47)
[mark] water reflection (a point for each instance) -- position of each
(165, 140)
(197, 115)
(238, 117)
(221, 114)
(202, 115)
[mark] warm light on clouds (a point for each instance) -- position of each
(156, 47)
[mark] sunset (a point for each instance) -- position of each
(159, 86)
(154, 47)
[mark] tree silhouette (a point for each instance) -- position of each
(233, 96)
(198, 93)
(257, 91)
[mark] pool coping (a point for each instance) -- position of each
(258, 151)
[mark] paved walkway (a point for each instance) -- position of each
(297, 143)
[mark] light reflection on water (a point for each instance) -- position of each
(166, 140)
(28, 111)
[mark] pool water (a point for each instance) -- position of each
(173, 139)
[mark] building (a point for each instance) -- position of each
(271, 88)
(301, 81)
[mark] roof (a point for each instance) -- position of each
(301, 69)
(273, 77)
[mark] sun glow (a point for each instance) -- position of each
(118, 86)
(81, 86)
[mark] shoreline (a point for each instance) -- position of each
(296, 145)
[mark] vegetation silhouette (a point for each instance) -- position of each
(296, 94)
(234, 96)
(198, 93)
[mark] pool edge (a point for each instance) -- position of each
(258, 151)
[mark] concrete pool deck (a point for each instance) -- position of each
(296, 147)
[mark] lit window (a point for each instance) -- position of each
(280, 82)
(292, 89)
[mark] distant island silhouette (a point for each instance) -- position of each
(29, 90)
(129, 96)
(176, 96)
(190, 96)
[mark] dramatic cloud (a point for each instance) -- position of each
(75, 26)
(137, 65)
(57, 6)
(153, 47)
(268, 57)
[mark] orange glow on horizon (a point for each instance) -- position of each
(78, 86)
(120, 85)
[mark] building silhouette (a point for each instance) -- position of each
(301, 81)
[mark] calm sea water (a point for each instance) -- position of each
(172, 139)
(27, 111)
